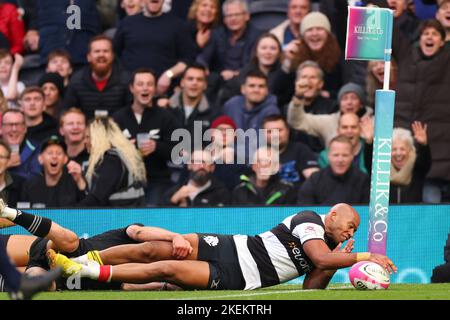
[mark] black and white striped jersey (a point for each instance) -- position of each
(277, 256)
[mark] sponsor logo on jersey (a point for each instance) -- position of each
(212, 241)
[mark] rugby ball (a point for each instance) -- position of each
(366, 275)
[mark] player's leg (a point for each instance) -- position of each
(62, 239)
(18, 249)
(145, 252)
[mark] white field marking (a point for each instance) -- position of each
(243, 294)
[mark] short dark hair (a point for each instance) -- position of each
(100, 37)
(59, 53)
(196, 66)
(30, 90)
(433, 23)
(273, 118)
(256, 73)
(142, 70)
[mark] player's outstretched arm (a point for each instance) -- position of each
(323, 258)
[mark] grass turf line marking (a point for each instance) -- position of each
(240, 295)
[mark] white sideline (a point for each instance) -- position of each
(243, 294)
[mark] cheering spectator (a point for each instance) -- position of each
(131, 7)
(411, 160)
(425, 98)
(375, 79)
(59, 61)
(9, 76)
(72, 127)
(155, 40)
(406, 21)
(56, 187)
(52, 84)
(190, 105)
(297, 161)
(10, 187)
(12, 27)
(24, 153)
(203, 16)
(201, 188)
(264, 186)
(40, 125)
(339, 182)
(289, 29)
(255, 103)
(101, 86)
(152, 127)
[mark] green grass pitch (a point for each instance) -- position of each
(281, 292)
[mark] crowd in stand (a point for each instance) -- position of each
(97, 116)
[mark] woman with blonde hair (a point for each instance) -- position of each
(410, 163)
(203, 16)
(116, 172)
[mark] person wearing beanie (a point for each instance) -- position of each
(53, 86)
(443, 16)
(351, 99)
(223, 149)
(319, 44)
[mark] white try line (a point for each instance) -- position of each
(251, 294)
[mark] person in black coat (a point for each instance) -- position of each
(201, 188)
(339, 182)
(264, 186)
(55, 187)
(152, 128)
(10, 185)
(100, 86)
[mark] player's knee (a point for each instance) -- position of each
(166, 270)
(149, 252)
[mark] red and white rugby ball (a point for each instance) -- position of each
(366, 275)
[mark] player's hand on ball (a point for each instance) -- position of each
(383, 261)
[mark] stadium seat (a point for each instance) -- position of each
(266, 14)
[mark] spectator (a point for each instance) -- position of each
(12, 27)
(72, 127)
(24, 153)
(52, 84)
(289, 29)
(325, 126)
(40, 125)
(140, 42)
(203, 15)
(228, 168)
(190, 104)
(375, 79)
(308, 86)
(116, 173)
(59, 61)
(320, 45)
(297, 161)
(266, 56)
(9, 186)
(56, 187)
(255, 103)
(9, 76)
(425, 98)
(407, 22)
(350, 126)
(48, 29)
(101, 85)
(156, 125)
(443, 16)
(411, 160)
(230, 46)
(264, 186)
(339, 182)
(201, 188)
(131, 7)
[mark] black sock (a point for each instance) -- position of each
(37, 225)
